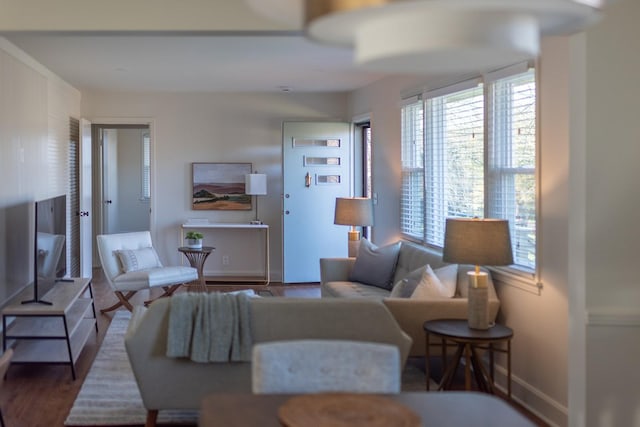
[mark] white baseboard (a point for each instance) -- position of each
(543, 406)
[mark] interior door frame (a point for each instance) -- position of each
(142, 121)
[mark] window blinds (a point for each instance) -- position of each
(412, 193)
(511, 161)
(454, 160)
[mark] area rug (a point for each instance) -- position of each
(109, 395)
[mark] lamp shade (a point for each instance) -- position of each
(353, 211)
(255, 184)
(477, 241)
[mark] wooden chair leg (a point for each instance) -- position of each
(123, 300)
(152, 418)
(168, 291)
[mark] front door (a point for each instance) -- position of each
(317, 169)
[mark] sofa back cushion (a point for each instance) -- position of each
(374, 265)
(412, 257)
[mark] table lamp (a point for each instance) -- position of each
(255, 184)
(353, 211)
(478, 242)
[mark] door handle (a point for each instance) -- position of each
(82, 213)
(307, 180)
(108, 202)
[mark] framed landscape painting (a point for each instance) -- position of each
(220, 186)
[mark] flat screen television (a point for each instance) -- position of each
(49, 255)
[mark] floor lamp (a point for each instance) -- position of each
(353, 211)
(255, 184)
(478, 242)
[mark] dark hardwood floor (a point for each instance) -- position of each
(42, 395)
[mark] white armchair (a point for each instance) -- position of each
(130, 264)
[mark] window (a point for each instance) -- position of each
(455, 160)
(511, 163)
(146, 167)
(471, 152)
(412, 200)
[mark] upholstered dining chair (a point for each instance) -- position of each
(5, 360)
(131, 264)
(316, 366)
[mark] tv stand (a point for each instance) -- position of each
(54, 332)
(36, 301)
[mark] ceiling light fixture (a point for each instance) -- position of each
(420, 36)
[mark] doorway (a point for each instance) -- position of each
(122, 177)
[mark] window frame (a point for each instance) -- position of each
(521, 274)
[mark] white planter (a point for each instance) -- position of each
(194, 243)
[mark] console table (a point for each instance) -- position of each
(235, 228)
(53, 333)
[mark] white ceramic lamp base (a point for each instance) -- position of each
(478, 314)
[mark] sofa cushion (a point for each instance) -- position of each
(354, 289)
(375, 265)
(447, 277)
(142, 279)
(405, 287)
(430, 286)
(413, 256)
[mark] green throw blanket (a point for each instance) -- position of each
(210, 327)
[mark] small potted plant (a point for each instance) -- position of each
(194, 239)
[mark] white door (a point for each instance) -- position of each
(86, 237)
(316, 170)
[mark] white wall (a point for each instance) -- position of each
(35, 107)
(214, 128)
(612, 206)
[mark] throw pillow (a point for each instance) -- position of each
(429, 286)
(375, 265)
(138, 259)
(405, 287)
(448, 276)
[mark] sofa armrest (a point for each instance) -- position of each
(412, 313)
(335, 269)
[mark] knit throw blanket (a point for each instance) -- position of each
(210, 327)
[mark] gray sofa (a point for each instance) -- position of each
(410, 313)
(179, 383)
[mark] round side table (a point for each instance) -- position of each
(468, 341)
(196, 258)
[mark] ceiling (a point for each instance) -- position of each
(164, 45)
(193, 62)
